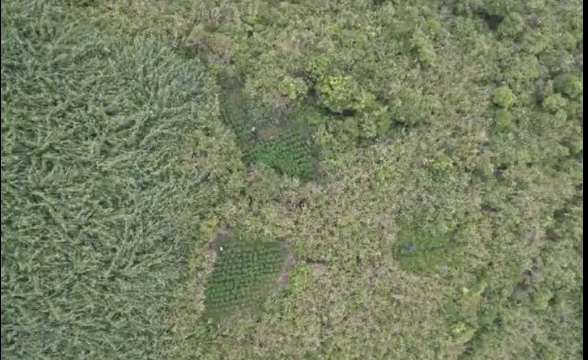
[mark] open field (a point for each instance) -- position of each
(292, 179)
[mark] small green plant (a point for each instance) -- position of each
(504, 97)
(287, 154)
(463, 332)
(549, 353)
(424, 49)
(512, 26)
(567, 41)
(410, 108)
(442, 164)
(318, 66)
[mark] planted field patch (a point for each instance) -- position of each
(244, 274)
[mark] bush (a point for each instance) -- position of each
(554, 103)
(343, 93)
(541, 300)
(424, 48)
(293, 88)
(512, 26)
(504, 97)
(410, 108)
(570, 85)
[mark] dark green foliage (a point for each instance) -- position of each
(245, 272)
(93, 127)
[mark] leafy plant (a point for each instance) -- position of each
(503, 120)
(293, 88)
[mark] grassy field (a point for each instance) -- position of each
(292, 179)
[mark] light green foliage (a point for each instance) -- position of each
(99, 199)
(341, 93)
(293, 88)
(550, 354)
(576, 146)
(512, 26)
(463, 332)
(503, 120)
(503, 97)
(567, 41)
(541, 300)
(424, 48)
(442, 164)
(317, 66)
(245, 272)
(410, 107)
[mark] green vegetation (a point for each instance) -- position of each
(97, 195)
(244, 273)
(504, 97)
(421, 160)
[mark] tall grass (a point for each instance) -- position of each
(94, 129)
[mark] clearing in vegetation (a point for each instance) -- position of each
(392, 179)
